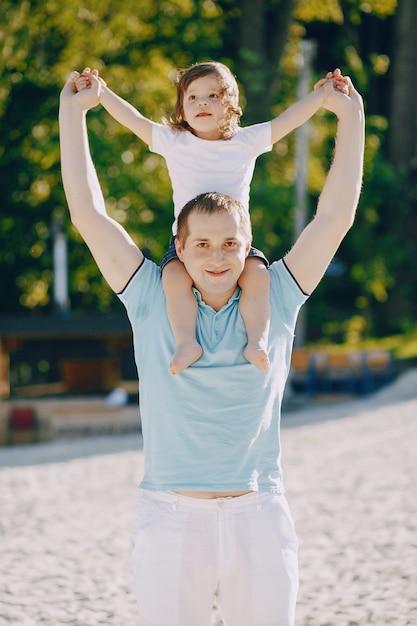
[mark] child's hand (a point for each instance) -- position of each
(87, 98)
(342, 101)
(340, 82)
(84, 80)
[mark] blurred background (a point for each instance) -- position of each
(368, 295)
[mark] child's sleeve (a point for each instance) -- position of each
(162, 140)
(258, 138)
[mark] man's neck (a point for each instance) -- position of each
(216, 301)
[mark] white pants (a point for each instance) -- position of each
(241, 552)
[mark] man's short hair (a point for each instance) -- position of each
(213, 202)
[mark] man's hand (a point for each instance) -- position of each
(84, 80)
(338, 81)
(86, 98)
(340, 100)
(338, 91)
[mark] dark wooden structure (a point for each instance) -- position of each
(74, 354)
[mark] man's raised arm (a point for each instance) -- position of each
(317, 244)
(115, 253)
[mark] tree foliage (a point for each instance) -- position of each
(137, 48)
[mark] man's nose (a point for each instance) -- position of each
(218, 255)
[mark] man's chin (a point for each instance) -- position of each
(218, 289)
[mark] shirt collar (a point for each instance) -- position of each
(235, 296)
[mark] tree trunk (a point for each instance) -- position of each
(263, 29)
(402, 146)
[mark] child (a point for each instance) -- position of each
(206, 150)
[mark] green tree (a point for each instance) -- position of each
(137, 50)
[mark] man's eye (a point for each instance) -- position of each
(231, 244)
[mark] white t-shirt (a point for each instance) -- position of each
(199, 165)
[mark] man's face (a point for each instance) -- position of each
(214, 255)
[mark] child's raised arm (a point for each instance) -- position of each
(301, 111)
(122, 111)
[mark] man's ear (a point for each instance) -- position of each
(179, 249)
(248, 247)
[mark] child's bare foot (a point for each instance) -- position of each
(186, 354)
(256, 355)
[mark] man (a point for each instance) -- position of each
(212, 521)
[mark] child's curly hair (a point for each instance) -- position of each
(229, 96)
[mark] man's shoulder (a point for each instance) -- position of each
(143, 287)
(283, 280)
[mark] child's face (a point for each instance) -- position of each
(203, 108)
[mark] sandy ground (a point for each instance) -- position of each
(350, 469)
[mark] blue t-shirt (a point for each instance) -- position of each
(214, 426)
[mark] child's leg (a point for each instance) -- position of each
(182, 315)
(255, 311)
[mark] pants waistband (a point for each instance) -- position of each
(248, 501)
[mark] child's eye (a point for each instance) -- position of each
(214, 95)
(191, 98)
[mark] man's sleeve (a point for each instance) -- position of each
(139, 294)
(286, 295)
